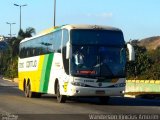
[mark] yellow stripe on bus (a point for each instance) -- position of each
(35, 77)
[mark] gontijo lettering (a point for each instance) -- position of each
(31, 64)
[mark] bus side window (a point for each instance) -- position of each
(64, 42)
(49, 42)
(57, 38)
(21, 50)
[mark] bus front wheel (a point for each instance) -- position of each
(60, 98)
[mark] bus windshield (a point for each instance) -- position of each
(97, 37)
(98, 57)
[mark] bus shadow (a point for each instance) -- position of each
(118, 101)
(113, 101)
(133, 102)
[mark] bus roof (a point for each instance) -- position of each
(72, 26)
(100, 27)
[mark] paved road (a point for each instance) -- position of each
(14, 104)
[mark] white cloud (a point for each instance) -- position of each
(104, 15)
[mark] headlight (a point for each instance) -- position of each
(120, 85)
(78, 84)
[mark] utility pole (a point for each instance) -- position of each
(20, 6)
(10, 24)
(54, 13)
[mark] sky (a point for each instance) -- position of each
(137, 19)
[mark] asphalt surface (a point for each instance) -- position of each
(14, 105)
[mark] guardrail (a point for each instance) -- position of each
(140, 87)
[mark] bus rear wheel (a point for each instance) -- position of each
(27, 91)
(60, 98)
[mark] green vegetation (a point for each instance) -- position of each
(9, 55)
(147, 64)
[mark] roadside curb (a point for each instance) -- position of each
(15, 80)
(129, 96)
(11, 80)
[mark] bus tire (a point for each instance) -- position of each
(60, 98)
(28, 92)
(104, 99)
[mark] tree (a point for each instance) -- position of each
(21, 35)
(146, 66)
(27, 33)
(136, 69)
(4, 55)
(9, 58)
(154, 71)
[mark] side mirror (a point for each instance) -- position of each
(131, 52)
(68, 50)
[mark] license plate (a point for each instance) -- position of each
(100, 92)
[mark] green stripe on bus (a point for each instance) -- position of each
(43, 73)
(46, 72)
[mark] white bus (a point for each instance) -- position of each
(74, 60)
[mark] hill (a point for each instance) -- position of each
(150, 43)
